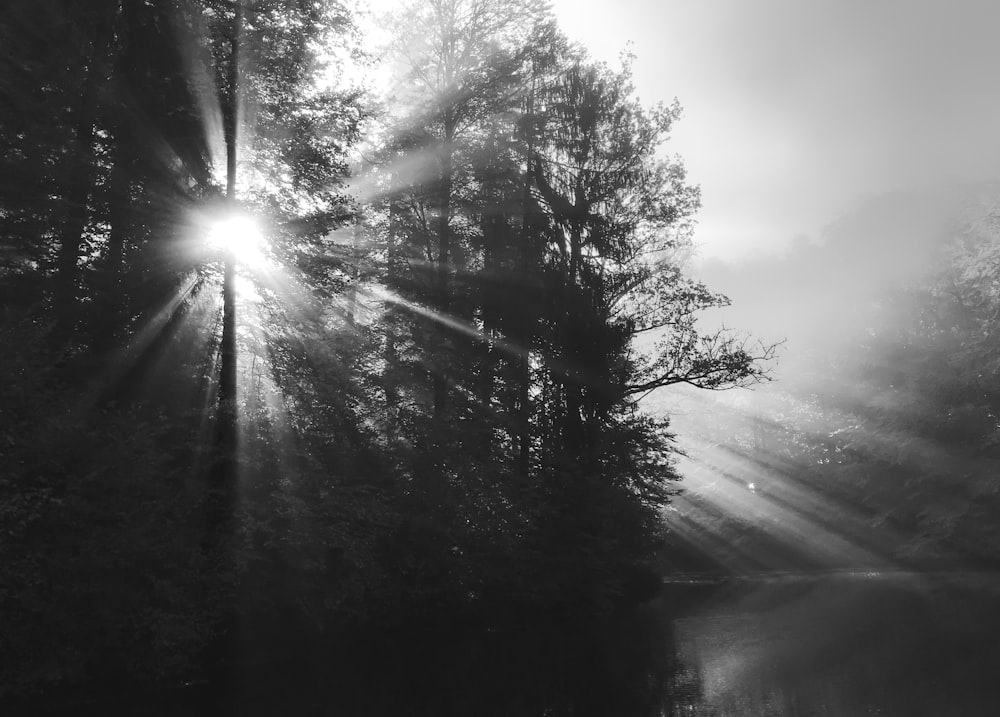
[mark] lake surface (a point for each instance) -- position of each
(840, 645)
(855, 644)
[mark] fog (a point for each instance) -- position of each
(794, 112)
(853, 417)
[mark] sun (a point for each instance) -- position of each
(239, 237)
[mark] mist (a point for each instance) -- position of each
(869, 411)
(362, 360)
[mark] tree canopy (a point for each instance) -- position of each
(466, 288)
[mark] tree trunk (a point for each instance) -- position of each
(224, 468)
(81, 169)
(120, 229)
(443, 288)
(352, 293)
(525, 322)
(391, 353)
(574, 350)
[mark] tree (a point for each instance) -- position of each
(110, 332)
(534, 237)
(440, 406)
(460, 60)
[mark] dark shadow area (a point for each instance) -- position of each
(895, 645)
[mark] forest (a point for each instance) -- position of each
(407, 388)
(319, 325)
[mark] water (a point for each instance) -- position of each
(857, 644)
(838, 645)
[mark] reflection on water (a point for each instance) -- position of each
(855, 645)
(888, 645)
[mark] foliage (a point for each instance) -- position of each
(439, 379)
(101, 575)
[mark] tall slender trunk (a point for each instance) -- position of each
(524, 353)
(224, 469)
(488, 356)
(523, 417)
(221, 652)
(352, 293)
(443, 289)
(390, 352)
(120, 228)
(574, 353)
(119, 208)
(495, 250)
(81, 170)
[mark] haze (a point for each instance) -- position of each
(794, 112)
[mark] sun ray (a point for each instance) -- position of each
(466, 328)
(750, 508)
(136, 355)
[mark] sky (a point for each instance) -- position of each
(796, 111)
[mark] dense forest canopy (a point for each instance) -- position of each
(467, 286)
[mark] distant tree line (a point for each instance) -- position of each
(886, 414)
